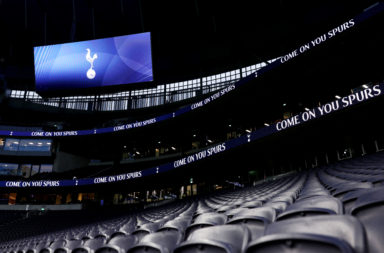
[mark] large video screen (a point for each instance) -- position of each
(94, 63)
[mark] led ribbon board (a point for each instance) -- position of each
(298, 119)
(93, 63)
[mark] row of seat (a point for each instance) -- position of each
(334, 208)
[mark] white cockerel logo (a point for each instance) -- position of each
(91, 73)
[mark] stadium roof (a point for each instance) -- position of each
(189, 38)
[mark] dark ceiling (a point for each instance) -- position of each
(189, 37)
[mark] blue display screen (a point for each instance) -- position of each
(94, 63)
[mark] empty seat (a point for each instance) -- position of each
(216, 239)
(38, 247)
(260, 215)
(331, 233)
(54, 245)
(179, 224)
(252, 204)
(279, 206)
(90, 246)
(313, 206)
(80, 235)
(107, 233)
(313, 193)
(233, 212)
(162, 242)
(349, 198)
(95, 234)
(224, 209)
(205, 220)
(284, 198)
(128, 228)
(202, 208)
(341, 191)
(119, 244)
(369, 209)
(255, 219)
(117, 234)
(146, 229)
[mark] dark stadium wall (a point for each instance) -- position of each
(65, 161)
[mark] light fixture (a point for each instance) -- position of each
(284, 104)
(247, 130)
(137, 152)
(230, 125)
(365, 86)
(173, 148)
(159, 142)
(125, 146)
(306, 109)
(194, 135)
(266, 124)
(209, 141)
(30, 143)
(337, 97)
(40, 143)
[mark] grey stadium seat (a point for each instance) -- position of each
(118, 244)
(146, 229)
(179, 224)
(90, 246)
(349, 198)
(313, 206)
(206, 220)
(318, 234)
(216, 239)
(255, 219)
(69, 246)
(161, 242)
(54, 245)
(340, 192)
(252, 204)
(279, 206)
(369, 209)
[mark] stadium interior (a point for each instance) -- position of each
(258, 129)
